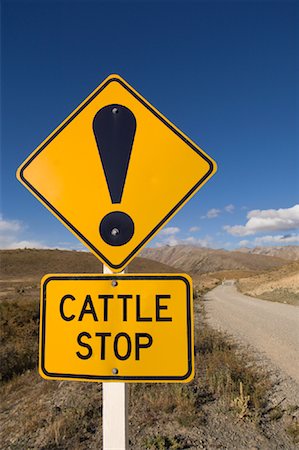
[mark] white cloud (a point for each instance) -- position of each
(244, 243)
(169, 231)
(194, 229)
(278, 239)
(215, 212)
(207, 241)
(10, 245)
(212, 214)
(9, 226)
(267, 220)
(204, 242)
(11, 235)
(169, 240)
(77, 246)
(229, 208)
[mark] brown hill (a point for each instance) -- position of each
(67, 415)
(287, 252)
(280, 285)
(199, 260)
(34, 264)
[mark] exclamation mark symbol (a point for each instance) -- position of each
(114, 128)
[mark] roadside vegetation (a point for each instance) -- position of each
(280, 285)
(66, 415)
(225, 406)
(19, 322)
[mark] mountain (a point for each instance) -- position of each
(31, 263)
(287, 252)
(198, 260)
(281, 285)
(34, 264)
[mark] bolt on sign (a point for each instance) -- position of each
(132, 328)
(115, 172)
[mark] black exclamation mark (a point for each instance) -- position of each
(114, 128)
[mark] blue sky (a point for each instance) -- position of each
(224, 72)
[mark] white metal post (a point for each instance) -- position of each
(115, 412)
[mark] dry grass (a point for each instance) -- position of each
(55, 415)
(152, 402)
(67, 415)
(34, 264)
(293, 430)
(162, 442)
(280, 285)
(18, 336)
(222, 367)
(200, 260)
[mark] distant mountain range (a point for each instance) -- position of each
(204, 260)
(288, 252)
(194, 260)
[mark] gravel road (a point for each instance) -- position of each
(270, 328)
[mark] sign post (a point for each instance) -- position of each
(114, 172)
(115, 416)
(115, 412)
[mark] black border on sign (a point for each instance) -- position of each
(74, 229)
(116, 377)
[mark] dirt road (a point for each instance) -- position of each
(270, 328)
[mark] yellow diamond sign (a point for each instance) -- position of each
(115, 171)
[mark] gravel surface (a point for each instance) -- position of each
(271, 329)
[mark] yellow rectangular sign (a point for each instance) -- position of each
(133, 328)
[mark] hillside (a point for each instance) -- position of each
(206, 413)
(287, 252)
(280, 285)
(22, 270)
(31, 263)
(198, 260)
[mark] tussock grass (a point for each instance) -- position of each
(18, 336)
(293, 430)
(222, 367)
(54, 414)
(152, 402)
(162, 443)
(68, 415)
